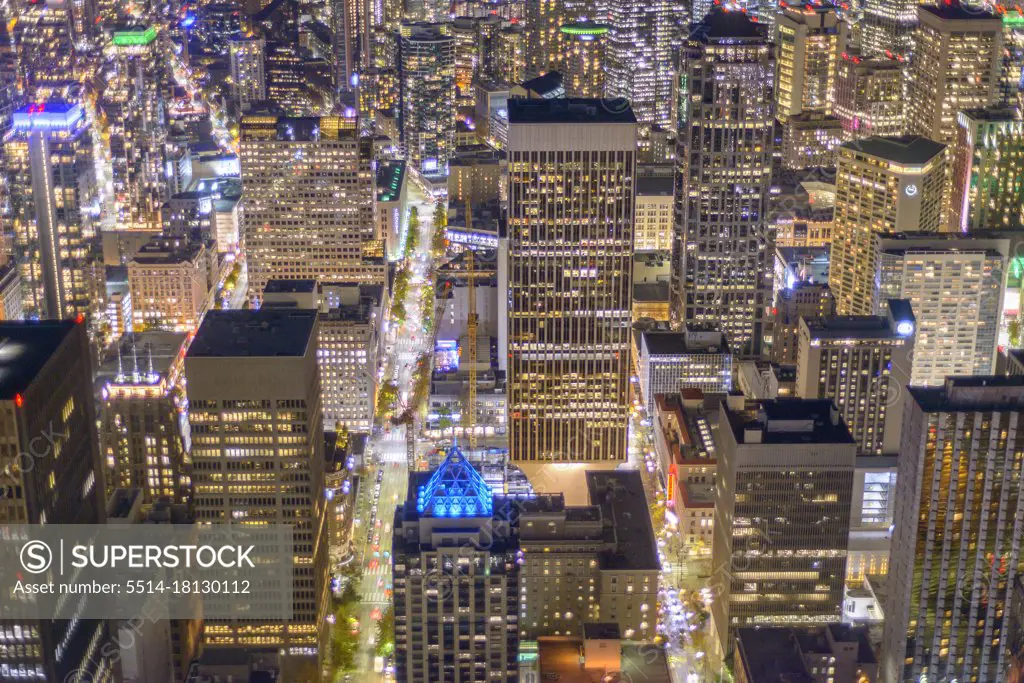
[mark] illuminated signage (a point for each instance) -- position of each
(48, 116)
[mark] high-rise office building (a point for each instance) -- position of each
(691, 359)
(286, 84)
(802, 300)
(544, 20)
(955, 546)
(427, 109)
(249, 82)
(456, 571)
(350, 31)
(887, 26)
(988, 170)
(882, 185)
(132, 103)
(722, 255)
(308, 188)
(51, 179)
(869, 95)
(956, 288)
(510, 56)
(584, 49)
(862, 363)
(956, 66)
(639, 57)
(258, 458)
(144, 437)
(571, 186)
(46, 406)
(45, 36)
(810, 40)
(655, 202)
(1011, 82)
(782, 515)
(348, 344)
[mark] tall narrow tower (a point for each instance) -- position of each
(571, 188)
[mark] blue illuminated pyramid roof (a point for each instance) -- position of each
(455, 489)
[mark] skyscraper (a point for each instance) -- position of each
(723, 251)
(47, 407)
(571, 186)
(308, 190)
(801, 300)
(882, 185)
(584, 48)
(51, 179)
(956, 288)
(427, 111)
(456, 576)
(810, 40)
(988, 170)
(639, 55)
(956, 542)
(258, 457)
(956, 66)
(782, 515)
(888, 26)
(863, 364)
(250, 82)
(869, 95)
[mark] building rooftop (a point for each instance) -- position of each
(650, 292)
(723, 23)
(688, 342)
(141, 358)
(790, 421)
(163, 250)
(975, 393)
(851, 327)
(770, 655)
(655, 186)
(390, 176)
(290, 287)
(953, 10)
(25, 347)
(995, 113)
(620, 495)
(570, 110)
(902, 149)
(546, 85)
(259, 333)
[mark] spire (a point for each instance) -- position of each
(455, 489)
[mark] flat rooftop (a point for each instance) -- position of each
(570, 110)
(290, 287)
(620, 494)
(902, 149)
(994, 393)
(266, 332)
(852, 326)
(955, 11)
(25, 347)
(791, 421)
(655, 186)
(670, 343)
(771, 655)
(723, 23)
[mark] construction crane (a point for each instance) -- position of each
(469, 410)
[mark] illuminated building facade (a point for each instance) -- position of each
(350, 30)
(655, 202)
(348, 345)
(956, 66)
(810, 40)
(1011, 82)
(810, 140)
(468, 53)
(143, 420)
(135, 124)
(45, 36)
(51, 178)
(888, 26)
(782, 516)
(882, 185)
(722, 270)
(47, 391)
(988, 170)
(691, 359)
(863, 364)
(799, 300)
(308, 201)
(286, 85)
(639, 57)
(510, 56)
(170, 280)
(456, 570)
(257, 458)
(570, 226)
(954, 546)
(869, 95)
(427, 109)
(249, 80)
(583, 48)
(955, 286)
